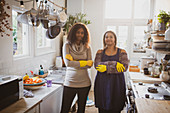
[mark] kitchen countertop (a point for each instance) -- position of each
(25, 104)
(152, 106)
(137, 76)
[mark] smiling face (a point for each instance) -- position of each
(109, 39)
(79, 34)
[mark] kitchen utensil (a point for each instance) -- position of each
(22, 18)
(53, 31)
(63, 18)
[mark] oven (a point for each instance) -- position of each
(130, 96)
(147, 89)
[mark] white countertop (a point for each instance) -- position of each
(25, 104)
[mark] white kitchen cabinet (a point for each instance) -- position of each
(52, 103)
(35, 109)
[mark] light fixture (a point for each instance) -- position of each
(54, 10)
(21, 4)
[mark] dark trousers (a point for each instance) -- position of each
(107, 111)
(68, 95)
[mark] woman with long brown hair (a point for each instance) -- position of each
(109, 88)
(77, 57)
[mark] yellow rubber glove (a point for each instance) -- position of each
(82, 63)
(101, 68)
(90, 63)
(69, 57)
(120, 67)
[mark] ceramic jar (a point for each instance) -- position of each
(164, 76)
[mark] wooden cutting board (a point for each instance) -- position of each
(152, 106)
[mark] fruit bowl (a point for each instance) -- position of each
(37, 84)
(33, 87)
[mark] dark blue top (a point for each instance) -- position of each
(109, 89)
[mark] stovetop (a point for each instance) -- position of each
(158, 91)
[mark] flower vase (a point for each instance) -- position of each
(162, 27)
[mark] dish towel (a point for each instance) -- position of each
(28, 94)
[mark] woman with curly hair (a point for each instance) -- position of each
(77, 57)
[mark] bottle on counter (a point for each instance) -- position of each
(155, 70)
(155, 26)
(59, 62)
(41, 71)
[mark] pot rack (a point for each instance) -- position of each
(25, 1)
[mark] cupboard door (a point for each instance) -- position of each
(52, 104)
(35, 109)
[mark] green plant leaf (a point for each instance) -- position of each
(72, 19)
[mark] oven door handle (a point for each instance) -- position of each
(129, 106)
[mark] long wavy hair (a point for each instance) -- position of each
(71, 38)
(104, 43)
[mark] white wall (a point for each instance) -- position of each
(19, 67)
(162, 5)
(95, 12)
(75, 6)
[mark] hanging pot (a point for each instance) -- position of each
(22, 18)
(33, 18)
(53, 31)
(63, 18)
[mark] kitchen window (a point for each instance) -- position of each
(118, 9)
(128, 19)
(139, 42)
(42, 41)
(20, 36)
(43, 45)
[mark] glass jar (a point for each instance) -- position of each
(156, 71)
(59, 62)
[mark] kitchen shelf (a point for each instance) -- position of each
(162, 52)
(158, 51)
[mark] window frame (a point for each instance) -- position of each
(28, 54)
(131, 23)
(43, 50)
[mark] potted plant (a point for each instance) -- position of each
(163, 18)
(72, 19)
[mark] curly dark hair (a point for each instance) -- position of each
(104, 43)
(71, 38)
